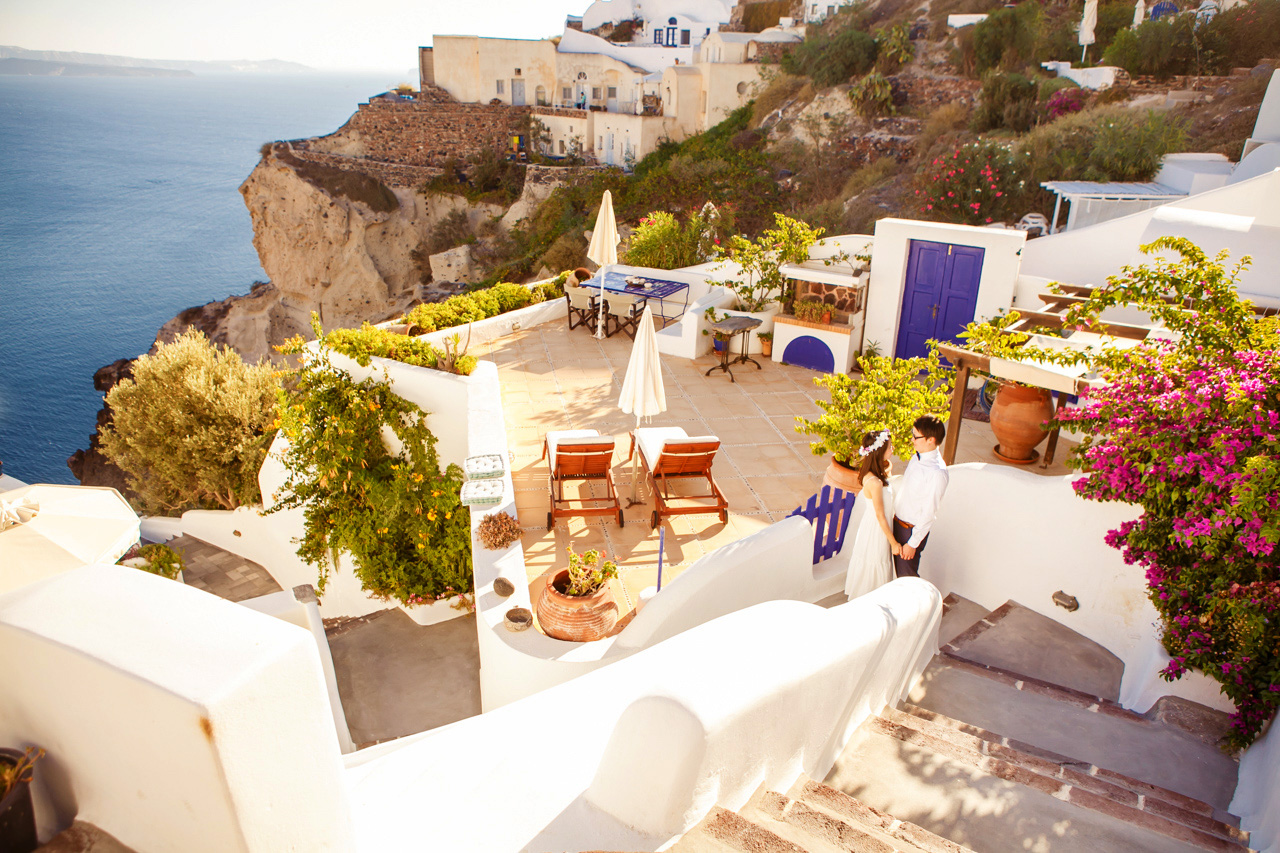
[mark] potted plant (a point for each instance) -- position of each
(1019, 412)
(158, 560)
(766, 343)
(577, 604)
(890, 395)
(812, 311)
(719, 340)
(17, 817)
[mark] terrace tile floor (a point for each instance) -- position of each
(556, 379)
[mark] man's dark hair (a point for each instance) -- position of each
(931, 426)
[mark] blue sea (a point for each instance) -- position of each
(119, 207)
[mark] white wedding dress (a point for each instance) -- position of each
(871, 563)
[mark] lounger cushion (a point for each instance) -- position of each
(652, 440)
(574, 436)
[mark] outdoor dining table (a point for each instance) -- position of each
(646, 288)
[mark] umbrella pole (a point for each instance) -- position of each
(600, 316)
(662, 538)
(635, 473)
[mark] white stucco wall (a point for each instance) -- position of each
(1257, 797)
(1000, 267)
(626, 756)
(172, 719)
(1000, 537)
(1243, 218)
(468, 67)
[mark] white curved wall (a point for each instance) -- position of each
(172, 719)
(1006, 534)
(627, 756)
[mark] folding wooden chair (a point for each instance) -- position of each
(581, 454)
(668, 453)
(625, 313)
(829, 511)
(582, 306)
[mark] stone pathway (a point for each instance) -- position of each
(222, 573)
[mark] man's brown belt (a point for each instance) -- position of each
(897, 520)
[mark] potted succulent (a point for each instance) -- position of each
(890, 395)
(577, 604)
(17, 817)
(766, 343)
(1019, 411)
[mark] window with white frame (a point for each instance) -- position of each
(566, 94)
(500, 84)
(613, 92)
(595, 93)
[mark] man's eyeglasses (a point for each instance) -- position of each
(915, 436)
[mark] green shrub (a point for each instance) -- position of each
(1052, 85)
(371, 342)
(895, 49)
(1169, 46)
(192, 427)
(398, 515)
(872, 95)
(971, 186)
(1007, 100)
(660, 241)
(162, 560)
(1007, 39)
(1249, 33)
(830, 58)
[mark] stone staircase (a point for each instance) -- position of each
(1012, 741)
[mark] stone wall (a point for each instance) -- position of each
(391, 174)
(844, 300)
(424, 132)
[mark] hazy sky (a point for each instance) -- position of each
(321, 33)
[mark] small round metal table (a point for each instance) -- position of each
(733, 326)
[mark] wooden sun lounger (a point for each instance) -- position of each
(579, 455)
(680, 458)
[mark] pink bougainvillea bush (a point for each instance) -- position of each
(1066, 101)
(1189, 431)
(971, 186)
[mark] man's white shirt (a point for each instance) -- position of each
(918, 495)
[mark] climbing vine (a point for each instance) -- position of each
(397, 513)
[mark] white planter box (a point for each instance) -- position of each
(807, 342)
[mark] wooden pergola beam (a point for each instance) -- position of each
(1055, 321)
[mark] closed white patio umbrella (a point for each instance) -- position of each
(1087, 26)
(52, 529)
(1139, 13)
(603, 248)
(642, 391)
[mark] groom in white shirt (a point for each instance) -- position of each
(919, 493)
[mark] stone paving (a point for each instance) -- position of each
(222, 573)
(555, 379)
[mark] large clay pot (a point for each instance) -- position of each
(578, 619)
(841, 476)
(1016, 418)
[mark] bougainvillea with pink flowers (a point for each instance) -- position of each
(1066, 101)
(971, 186)
(1189, 430)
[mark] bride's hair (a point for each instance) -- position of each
(876, 461)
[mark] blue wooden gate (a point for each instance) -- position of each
(830, 511)
(939, 296)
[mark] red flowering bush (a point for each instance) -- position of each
(1066, 101)
(970, 186)
(1189, 430)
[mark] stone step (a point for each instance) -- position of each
(977, 745)
(900, 834)
(722, 830)
(959, 614)
(1088, 728)
(1018, 639)
(809, 830)
(991, 805)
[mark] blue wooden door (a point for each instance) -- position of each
(940, 294)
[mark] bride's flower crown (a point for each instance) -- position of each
(875, 445)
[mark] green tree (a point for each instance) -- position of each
(192, 427)
(787, 242)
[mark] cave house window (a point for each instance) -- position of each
(595, 93)
(566, 94)
(500, 86)
(541, 96)
(561, 146)
(613, 92)
(684, 37)
(657, 36)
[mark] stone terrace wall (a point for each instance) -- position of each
(429, 131)
(391, 174)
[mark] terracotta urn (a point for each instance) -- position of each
(841, 476)
(576, 618)
(1017, 416)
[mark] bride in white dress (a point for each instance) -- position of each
(871, 563)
